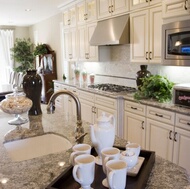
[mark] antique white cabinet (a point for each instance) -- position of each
(136, 4)
(159, 133)
(92, 106)
(86, 11)
(175, 8)
(108, 8)
(181, 139)
(135, 123)
(85, 51)
(69, 17)
(70, 45)
(145, 35)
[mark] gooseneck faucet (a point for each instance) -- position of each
(79, 132)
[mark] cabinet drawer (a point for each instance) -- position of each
(161, 115)
(73, 90)
(57, 86)
(183, 121)
(106, 101)
(136, 108)
(86, 96)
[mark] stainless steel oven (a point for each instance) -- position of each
(176, 43)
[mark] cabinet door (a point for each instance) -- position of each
(136, 4)
(66, 18)
(103, 8)
(81, 12)
(91, 14)
(175, 8)
(139, 36)
(134, 128)
(69, 38)
(159, 138)
(119, 6)
(66, 38)
(91, 52)
(87, 109)
(81, 42)
(181, 148)
(155, 16)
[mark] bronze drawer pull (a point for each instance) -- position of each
(170, 135)
(159, 115)
(133, 108)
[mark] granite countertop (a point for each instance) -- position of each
(129, 96)
(39, 172)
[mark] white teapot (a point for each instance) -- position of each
(103, 134)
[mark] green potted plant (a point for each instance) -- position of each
(155, 87)
(40, 49)
(22, 53)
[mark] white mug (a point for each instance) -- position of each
(134, 147)
(116, 174)
(109, 153)
(84, 170)
(79, 149)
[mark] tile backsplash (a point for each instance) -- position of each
(119, 70)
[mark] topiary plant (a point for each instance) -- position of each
(22, 53)
(40, 49)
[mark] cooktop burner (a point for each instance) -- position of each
(112, 87)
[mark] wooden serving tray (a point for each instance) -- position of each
(66, 180)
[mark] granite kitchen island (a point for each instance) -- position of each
(39, 172)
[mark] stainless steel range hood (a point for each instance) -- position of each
(114, 31)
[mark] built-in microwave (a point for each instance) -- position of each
(176, 43)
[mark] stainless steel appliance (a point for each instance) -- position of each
(112, 88)
(176, 43)
(181, 95)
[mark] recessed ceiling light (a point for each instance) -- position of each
(27, 10)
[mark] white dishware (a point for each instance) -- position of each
(116, 174)
(102, 134)
(130, 158)
(134, 147)
(109, 153)
(84, 170)
(79, 149)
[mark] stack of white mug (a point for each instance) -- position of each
(114, 163)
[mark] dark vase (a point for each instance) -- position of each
(142, 74)
(32, 86)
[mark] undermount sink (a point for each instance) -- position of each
(36, 146)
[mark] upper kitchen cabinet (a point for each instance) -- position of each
(69, 17)
(86, 11)
(85, 51)
(70, 46)
(107, 8)
(145, 35)
(136, 4)
(175, 8)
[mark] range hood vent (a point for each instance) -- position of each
(114, 31)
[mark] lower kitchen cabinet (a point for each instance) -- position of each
(159, 138)
(181, 153)
(92, 106)
(160, 128)
(135, 123)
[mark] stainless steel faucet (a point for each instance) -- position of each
(79, 132)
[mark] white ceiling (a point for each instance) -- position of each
(12, 12)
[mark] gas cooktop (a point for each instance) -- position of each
(112, 88)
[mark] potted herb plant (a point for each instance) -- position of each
(155, 87)
(22, 53)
